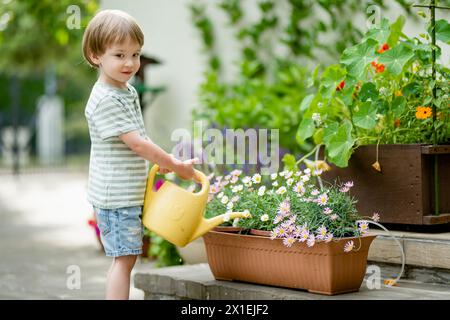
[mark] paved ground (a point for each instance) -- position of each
(46, 244)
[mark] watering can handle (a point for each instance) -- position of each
(199, 177)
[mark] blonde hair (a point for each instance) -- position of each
(109, 27)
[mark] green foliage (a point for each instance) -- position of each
(36, 34)
(380, 93)
(256, 103)
(442, 31)
(269, 88)
(165, 252)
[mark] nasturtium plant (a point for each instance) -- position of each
(380, 92)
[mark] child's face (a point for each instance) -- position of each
(119, 63)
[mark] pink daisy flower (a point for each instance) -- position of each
(304, 236)
(311, 240)
(349, 184)
(323, 199)
(321, 232)
(289, 241)
(349, 246)
(376, 217)
(363, 227)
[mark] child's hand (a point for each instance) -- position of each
(163, 170)
(185, 169)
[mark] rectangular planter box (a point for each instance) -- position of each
(324, 268)
(403, 193)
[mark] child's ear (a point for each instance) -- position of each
(94, 58)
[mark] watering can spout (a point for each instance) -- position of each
(208, 224)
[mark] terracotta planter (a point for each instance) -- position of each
(228, 229)
(324, 268)
(403, 192)
(261, 233)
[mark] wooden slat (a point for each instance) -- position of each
(439, 219)
(443, 149)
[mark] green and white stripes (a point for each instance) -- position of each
(117, 176)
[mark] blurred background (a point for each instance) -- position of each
(228, 63)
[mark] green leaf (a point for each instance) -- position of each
(318, 136)
(396, 31)
(380, 34)
(368, 91)
(398, 106)
(396, 58)
(305, 130)
(289, 162)
(313, 78)
(339, 146)
(306, 102)
(365, 117)
(330, 79)
(412, 88)
(357, 58)
(330, 131)
(442, 31)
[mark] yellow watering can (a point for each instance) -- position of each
(177, 214)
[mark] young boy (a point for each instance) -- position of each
(118, 168)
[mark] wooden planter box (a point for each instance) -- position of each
(403, 193)
(324, 268)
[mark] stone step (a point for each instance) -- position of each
(197, 282)
(421, 249)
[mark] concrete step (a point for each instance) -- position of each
(426, 274)
(197, 282)
(430, 250)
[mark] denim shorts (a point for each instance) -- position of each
(121, 230)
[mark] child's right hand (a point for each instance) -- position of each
(185, 169)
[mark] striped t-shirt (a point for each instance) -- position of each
(117, 176)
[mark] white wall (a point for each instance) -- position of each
(170, 36)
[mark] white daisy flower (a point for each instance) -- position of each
(261, 191)
(281, 190)
(256, 178)
(224, 200)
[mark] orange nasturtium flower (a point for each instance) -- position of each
(379, 67)
(397, 123)
(383, 48)
(340, 86)
(423, 112)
